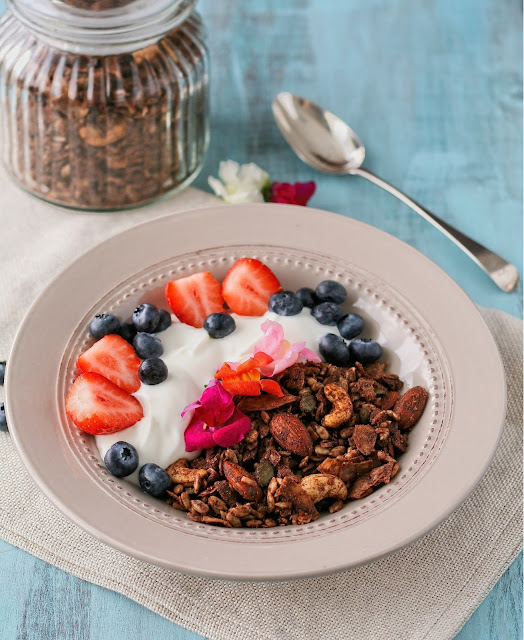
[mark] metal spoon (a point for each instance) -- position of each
(326, 143)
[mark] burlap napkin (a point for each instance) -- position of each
(425, 591)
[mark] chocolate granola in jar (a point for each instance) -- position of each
(104, 103)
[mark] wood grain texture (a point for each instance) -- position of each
(434, 89)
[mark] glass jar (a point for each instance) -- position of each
(103, 103)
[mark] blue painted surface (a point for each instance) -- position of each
(434, 89)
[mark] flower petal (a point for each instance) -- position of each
(298, 193)
(270, 386)
(228, 171)
(304, 191)
(234, 431)
(216, 405)
(243, 195)
(217, 186)
(225, 371)
(242, 387)
(260, 359)
(274, 335)
(190, 407)
(310, 356)
(196, 437)
(282, 192)
(280, 365)
(253, 175)
(297, 347)
(250, 172)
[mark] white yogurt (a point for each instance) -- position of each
(192, 359)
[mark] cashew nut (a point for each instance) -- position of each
(322, 485)
(342, 409)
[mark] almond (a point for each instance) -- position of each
(291, 434)
(410, 406)
(242, 481)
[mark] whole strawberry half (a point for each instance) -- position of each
(113, 358)
(247, 287)
(194, 298)
(97, 406)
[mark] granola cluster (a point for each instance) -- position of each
(333, 437)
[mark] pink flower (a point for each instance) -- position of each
(298, 193)
(215, 420)
(284, 353)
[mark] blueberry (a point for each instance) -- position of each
(330, 291)
(219, 325)
(365, 350)
(121, 459)
(127, 331)
(2, 373)
(350, 325)
(147, 346)
(334, 350)
(145, 318)
(285, 303)
(3, 419)
(307, 296)
(103, 324)
(164, 320)
(327, 313)
(152, 371)
(154, 480)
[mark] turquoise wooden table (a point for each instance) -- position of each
(433, 87)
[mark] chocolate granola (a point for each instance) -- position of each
(333, 437)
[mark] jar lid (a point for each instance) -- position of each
(101, 26)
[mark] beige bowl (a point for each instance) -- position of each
(432, 336)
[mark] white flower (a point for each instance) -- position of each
(239, 183)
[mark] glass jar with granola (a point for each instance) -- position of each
(103, 103)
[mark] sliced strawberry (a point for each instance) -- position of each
(195, 297)
(247, 287)
(97, 406)
(113, 358)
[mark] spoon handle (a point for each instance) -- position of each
(503, 273)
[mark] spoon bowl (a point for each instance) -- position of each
(327, 143)
(308, 128)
